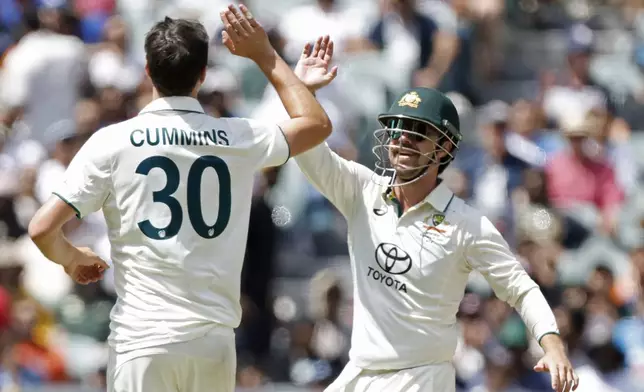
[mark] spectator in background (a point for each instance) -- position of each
(83, 318)
(35, 361)
(45, 60)
(487, 18)
(9, 184)
(628, 337)
(331, 337)
(615, 150)
(254, 334)
(577, 180)
(304, 23)
(529, 137)
(536, 220)
(410, 43)
(88, 117)
(111, 65)
(576, 89)
(219, 92)
(575, 84)
(494, 173)
(63, 142)
(456, 38)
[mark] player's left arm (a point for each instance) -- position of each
(487, 252)
(83, 191)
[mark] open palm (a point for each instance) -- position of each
(313, 66)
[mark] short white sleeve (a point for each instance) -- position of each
(269, 144)
(87, 181)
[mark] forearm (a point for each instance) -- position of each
(536, 314)
(330, 175)
(55, 247)
(46, 231)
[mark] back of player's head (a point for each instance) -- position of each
(176, 51)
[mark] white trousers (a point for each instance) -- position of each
(205, 364)
(429, 378)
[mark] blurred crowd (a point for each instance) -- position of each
(549, 93)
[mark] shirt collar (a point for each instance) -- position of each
(182, 104)
(439, 198)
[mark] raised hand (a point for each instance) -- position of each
(86, 267)
(243, 35)
(313, 66)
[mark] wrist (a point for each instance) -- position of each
(266, 60)
(57, 249)
(551, 341)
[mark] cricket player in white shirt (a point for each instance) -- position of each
(175, 187)
(412, 244)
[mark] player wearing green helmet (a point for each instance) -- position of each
(413, 244)
(420, 130)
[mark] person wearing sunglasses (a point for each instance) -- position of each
(412, 246)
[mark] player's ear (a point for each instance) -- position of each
(147, 69)
(202, 76)
(446, 148)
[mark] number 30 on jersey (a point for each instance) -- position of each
(193, 197)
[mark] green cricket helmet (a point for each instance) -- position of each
(420, 114)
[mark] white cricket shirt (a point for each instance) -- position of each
(410, 272)
(175, 186)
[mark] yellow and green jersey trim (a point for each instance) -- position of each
(394, 200)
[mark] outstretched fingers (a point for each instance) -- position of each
(317, 47)
(228, 18)
(243, 24)
(306, 52)
(249, 16)
(324, 44)
(328, 56)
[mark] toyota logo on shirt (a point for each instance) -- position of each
(392, 259)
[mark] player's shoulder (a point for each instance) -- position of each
(242, 122)
(107, 139)
(471, 218)
(248, 128)
(109, 131)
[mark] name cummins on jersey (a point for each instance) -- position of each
(175, 186)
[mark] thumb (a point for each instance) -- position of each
(541, 366)
(332, 74)
(227, 41)
(101, 264)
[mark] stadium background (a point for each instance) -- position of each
(530, 78)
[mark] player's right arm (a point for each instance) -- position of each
(85, 187)
(339, 180)
(309, 124)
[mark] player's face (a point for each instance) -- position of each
(413, 146)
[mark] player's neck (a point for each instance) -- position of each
(411, 194)
(156, 94)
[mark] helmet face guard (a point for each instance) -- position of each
(390, 143)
